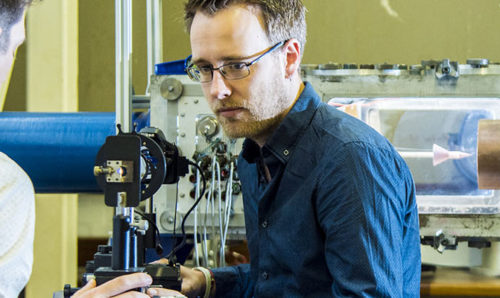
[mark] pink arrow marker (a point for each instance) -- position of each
(438, 154)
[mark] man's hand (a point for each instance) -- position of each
(193, 283)
(117, 287)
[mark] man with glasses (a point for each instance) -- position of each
(329, 204)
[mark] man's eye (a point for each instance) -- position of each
(236, 66)
(205, 68)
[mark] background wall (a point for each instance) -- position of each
(406, 32)
(344, 31)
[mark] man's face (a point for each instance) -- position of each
(249, 107)
(15, 40)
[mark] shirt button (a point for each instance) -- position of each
(265, 275)
(285, 152)
(264, 224)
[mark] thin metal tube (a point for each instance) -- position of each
(154, 36)
(118, 59)
(123, 55)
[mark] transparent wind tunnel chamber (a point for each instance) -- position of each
(437, 137)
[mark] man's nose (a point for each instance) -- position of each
(218, 87)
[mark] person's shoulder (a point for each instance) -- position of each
(343, 129)
(11, 174)
(7, 164)
(336, 133)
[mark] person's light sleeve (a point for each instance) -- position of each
(17, 220)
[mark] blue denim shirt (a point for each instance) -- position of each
(339, 217)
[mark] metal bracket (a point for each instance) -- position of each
(443, 241)
(447, 71)
(207, 126)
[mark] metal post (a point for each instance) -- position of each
(123, 56)
(133, 248)
(133, 239)
(121, 243)
(121, 249)
(154, 36)
(123, 106)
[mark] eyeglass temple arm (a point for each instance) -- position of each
(279, 44)
(187, 62)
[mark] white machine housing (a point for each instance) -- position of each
(415, 107)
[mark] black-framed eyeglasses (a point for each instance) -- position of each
(230, 71)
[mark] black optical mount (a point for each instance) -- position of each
(131, 167)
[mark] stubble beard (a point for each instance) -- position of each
(264, 110)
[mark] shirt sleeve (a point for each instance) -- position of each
(367, 210)
(233, 281)
(17, 223)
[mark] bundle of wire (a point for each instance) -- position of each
(172, 254)
(214, 197)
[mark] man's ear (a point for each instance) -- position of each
(292, 52)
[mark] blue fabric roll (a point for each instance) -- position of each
(177, 67)
(57, 150)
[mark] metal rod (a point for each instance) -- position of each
(123, 55)
(154, 36)
(416, 154)
(133, 250)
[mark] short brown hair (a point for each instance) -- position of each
(284, 19)
(10, 13)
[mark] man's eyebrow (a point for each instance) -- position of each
(199, 61)
(225, 58)
(234, 58)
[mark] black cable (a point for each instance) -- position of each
(183, 242)
(151, 204)
(158, 248)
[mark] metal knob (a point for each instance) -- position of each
(478, 62)
(329, 66)
(350, 66)
(100, 170)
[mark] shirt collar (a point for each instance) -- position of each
(282, 142)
